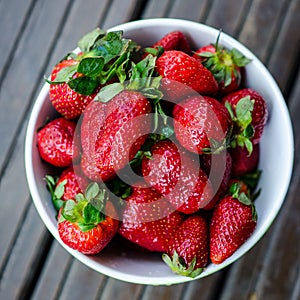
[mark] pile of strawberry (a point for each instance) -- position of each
(114, 116)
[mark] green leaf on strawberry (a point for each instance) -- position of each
(56, 192)
(244, 198)
(84, 85)
(109, 91)
(177, 265)
(103, 56)
(91, 66)
(87, 41)
(64, 75)
(241, 116)
(86, 211)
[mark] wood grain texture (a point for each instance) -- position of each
(261, 25)
(228, 15)
(189, 9)
(53, 274)
(37, 35)
(283, 59)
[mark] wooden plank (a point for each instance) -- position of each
(81, 283)
(189, 9)
(155, 9)
(24, 258)
(116, 289)
(25, 70)
(52, 277)
(76, 27)
(206, 287)
(120, 11)
(14, 188)
(259, 30)
(13, 27)
(173, 292)
(284, 58)
(227, 15)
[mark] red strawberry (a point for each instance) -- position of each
(218, 169)
(76, 80)
(55, 142)
(178, 66)
(201, 124)
(111, 138)
(233, 221)
(177, 175)
(188, 249)
(249, 112)
(242, 161)
(83, 225)
(174, 40)
(65, 100)
(66, 187)
(225, 65)
(149, 220)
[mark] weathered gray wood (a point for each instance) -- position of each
(261, 25)
(12, 25)
(115, 289)
(14, 191)
(155, 9)
(227, 15)
(284, 58)
(76, 26)
(189, 9)
(16, 90)
(24, 257)
(120, 11)
(25, 69)
(81, 283)
(203, 288)
(55, 269)
(167, 292)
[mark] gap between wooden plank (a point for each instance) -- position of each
(32, 95)
(7, 54)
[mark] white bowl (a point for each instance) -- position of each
(276, 160)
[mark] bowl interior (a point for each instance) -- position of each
(276, 160)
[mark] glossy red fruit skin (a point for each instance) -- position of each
(222, 167)
(231, 225)
(199, 119)
(176, 174)
(74, 183)
(55, 142)
(208, 48)
(112, 138)
(67, 102)
(174, 40)
(242, 162)
(94, 240)
(260, 109)
(191, 239)
(152, 235)
(179, 66)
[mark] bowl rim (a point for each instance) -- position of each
(172, 278)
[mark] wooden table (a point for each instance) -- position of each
(34, 34)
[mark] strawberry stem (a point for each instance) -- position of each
(178, 266)
(86, 210)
